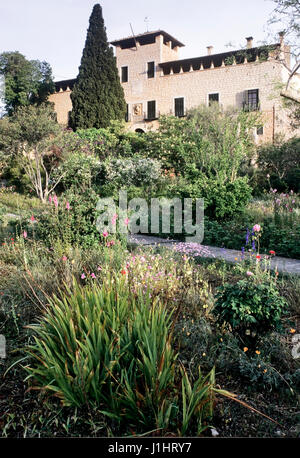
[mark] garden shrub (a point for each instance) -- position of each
(74, 226)
(271, 367)
(80, 172)
(281, 162)
(252, 309)
(222, 200)
(136, 171)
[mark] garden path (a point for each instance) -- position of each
(284, 265)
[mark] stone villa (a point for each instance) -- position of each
(157, 82)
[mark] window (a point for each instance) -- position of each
(252, 100)
(260, 131)
(124, 75)
(213, 98)
(150, 69)
(179, 106)
(127, 113)
(151, 113)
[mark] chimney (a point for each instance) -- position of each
(209, 50)
(281, 39)
(249, 42)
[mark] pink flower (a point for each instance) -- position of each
(82, 276)
(99, 268)
(112, 243)
(32, 218)
(68, 206)
(256, 228)
(55, 201)
(50, 199)
(25, 235)
(249, 273)
(126, 221)
(93, 275)
(114, 219)
(105, 234)
(64, 258)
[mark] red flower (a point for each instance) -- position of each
(258, 257)
(123, 272)
(272, 252)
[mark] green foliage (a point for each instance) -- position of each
(30, 134)
(271, 368)
(226, 200)
(113, 141)
(97, 96)
(102, 142)
(27, 127)
(79, 172)
(251, 308)
(134, 171)
(15, 174)
(205, 155)
(100, 346)
(281, 162)
(26, 81)
(210, 140)
(73, 227)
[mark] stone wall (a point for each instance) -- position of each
(62, 105)
(229, 81)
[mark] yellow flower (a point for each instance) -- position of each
(203, 354)
(292, 331)
(257, 352)
(265, 370)
(235, 259)
(246, 349)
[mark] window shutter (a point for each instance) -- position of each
(150, 70)
(124, 76)
(151, 110)
(179, 107)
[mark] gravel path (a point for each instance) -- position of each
(287, 265)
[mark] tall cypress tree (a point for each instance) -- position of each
(97, 95)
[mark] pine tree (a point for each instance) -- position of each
(97, 95)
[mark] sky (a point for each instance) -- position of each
(55, 30)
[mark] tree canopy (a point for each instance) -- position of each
(26, 81)
(97, 96)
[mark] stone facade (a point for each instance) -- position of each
(232, 75)
(62, 105)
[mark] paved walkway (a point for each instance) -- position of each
(286, 265)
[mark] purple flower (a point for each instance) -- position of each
(247, 236)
